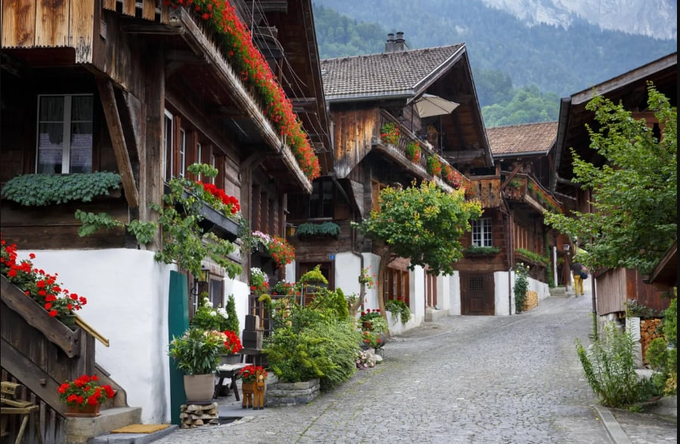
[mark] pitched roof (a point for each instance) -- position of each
(388, 74)
(522, 139)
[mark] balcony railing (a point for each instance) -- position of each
(523, 188)
(407, 137)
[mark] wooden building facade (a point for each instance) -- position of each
(613, 287)
(144, 90)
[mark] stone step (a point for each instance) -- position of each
(81, 430)
(134, 438)
(559, 292)
(432, 314)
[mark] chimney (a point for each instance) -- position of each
(389, 45)
(400, 43)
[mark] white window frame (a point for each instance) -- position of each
(212, 164)
(482, 233)
(182, 152)
(168, 117)
(199, 157)
(67, 121)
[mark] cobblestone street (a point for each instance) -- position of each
(479, 379)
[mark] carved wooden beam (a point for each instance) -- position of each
(512, 174)
(108, 100)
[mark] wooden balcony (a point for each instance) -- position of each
(524, 190)
(486, 189)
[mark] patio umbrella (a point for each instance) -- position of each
(430, 105)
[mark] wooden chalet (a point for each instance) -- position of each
(144, 90)
(511, 229)
(613, 287)
(364, 94)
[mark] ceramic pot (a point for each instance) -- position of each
(199, 388)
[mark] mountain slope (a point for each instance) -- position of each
(555, 59)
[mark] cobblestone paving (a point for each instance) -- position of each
(469, 380)
(645, 428)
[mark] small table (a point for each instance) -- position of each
(229, 371)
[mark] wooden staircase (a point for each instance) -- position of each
(40, 353)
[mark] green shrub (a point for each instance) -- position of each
(609, 367)
(47, 189)
(399, 309)
(310, 343)
(521, 286)
(232, 323)
(662, 359)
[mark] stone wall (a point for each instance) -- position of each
(281, 393)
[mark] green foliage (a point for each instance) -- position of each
(533, 257)
(521, 286)
(341, 36)
(312, 342)
(232, 323)
(196, 352)
(527, 105)
(322, 229)
(662, 358)
(475, 249)
(399, 310)
(635, 215)
(434, 166)
(422, 223)
(48, 189)
(313, 276)
(609, 367)
(638, 310)
(91, 223)
(209, 318)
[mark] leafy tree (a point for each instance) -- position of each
(422, 223)
(634, 193)
(527, 105)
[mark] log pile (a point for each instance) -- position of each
(531, 300)
(649, 330)
(194, 415)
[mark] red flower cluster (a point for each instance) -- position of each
(434, 166)
(250, 373)
(413, 152)
(229, 201)
(254, 70)
(233, 343)
(85, 390)
(38, 285)
(281, 251)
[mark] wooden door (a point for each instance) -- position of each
(477, 294)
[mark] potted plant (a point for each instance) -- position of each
(196, 353)
(84, 395)
(389, 133)
(434, 166)
(412, 152)
(259, 281)
(399, 309)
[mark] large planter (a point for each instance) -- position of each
(86, 411)
(283, 393)
(199, 388)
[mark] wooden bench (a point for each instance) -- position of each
(12, 406)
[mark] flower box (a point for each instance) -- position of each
(295, 393)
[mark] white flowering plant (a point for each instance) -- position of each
(365, 359)
(259, 281)
(208, 317)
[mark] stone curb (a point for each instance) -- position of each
(612, 426)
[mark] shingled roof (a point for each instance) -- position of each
(534, 138)
(400, 73)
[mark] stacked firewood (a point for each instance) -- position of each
(531, 301)
(194, 415)
(649, 329)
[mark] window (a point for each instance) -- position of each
(199, 157)
(64, 134)
(182, 153)
(167, 142)
(212, 164)
(321, 200)
(481, 233)
(396, 285)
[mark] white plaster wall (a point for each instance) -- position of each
(454, 294)
(372, 262)
(241, 291)
(347, 270)
(443, 293)
(541, 288)
(127, 302)
(417, 300)
(502, 288)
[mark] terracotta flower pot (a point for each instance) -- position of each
(86, 411)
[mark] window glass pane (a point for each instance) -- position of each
(167, 156)
(52, 109)
(81, 148)
(81, 108)
(182, 153)
(49, 161)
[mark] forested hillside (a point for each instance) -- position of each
(555, 60)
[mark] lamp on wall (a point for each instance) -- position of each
(202, 279)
